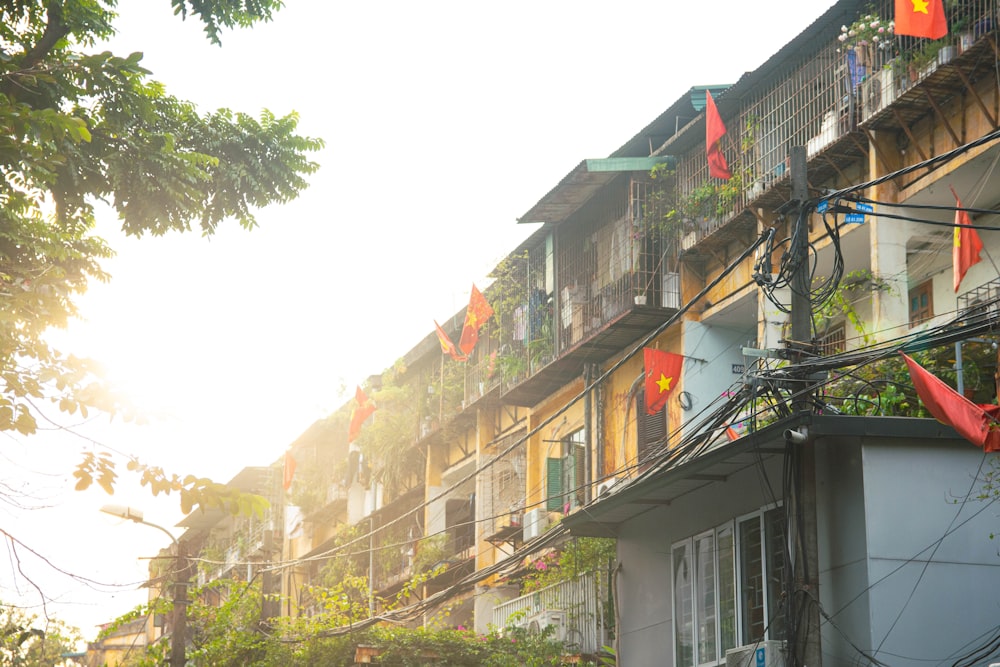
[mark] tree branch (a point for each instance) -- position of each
(55, 29)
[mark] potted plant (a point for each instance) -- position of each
(922, 62)
(870, 38)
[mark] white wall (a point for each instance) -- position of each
(711, 353)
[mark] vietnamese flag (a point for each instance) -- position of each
(662, 370)
(966, 246)
(975, 423)
(715, 129)
(362, 411)
(447, 346)
(921, 18)
(476, 314)
(289, 471)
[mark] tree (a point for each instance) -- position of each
(80, 127)
(30, 641)
(232, 633)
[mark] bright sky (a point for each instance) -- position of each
(443, 123)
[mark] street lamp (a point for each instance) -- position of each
(177, 658)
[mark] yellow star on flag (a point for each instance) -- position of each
(920, 6)
(664, 383)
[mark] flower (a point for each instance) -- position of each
(866, 30)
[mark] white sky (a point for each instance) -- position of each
(444, 122)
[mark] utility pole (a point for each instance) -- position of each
(801, 315)
(177, 637)
(182, 574)
(801, 516)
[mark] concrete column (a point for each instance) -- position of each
(890, 307)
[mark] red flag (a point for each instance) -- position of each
(663, 370)
(966, 246)
(715, 129)
(446, 345)
(921, 18)
(362, 411)
(289, 472)
(972, 421)
(476, 314)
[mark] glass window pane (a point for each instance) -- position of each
(774, 527)
(683, 607)
(727, 589)
(704, 547)
(751, 581)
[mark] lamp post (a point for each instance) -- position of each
(177, 657)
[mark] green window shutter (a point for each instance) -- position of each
(553, 484)
(579, 471)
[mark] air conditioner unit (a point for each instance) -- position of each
(535, 522)
(605, 487)
(537, 623)
(766, 653)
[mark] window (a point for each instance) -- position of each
(727, 587)
(834, 342)
(921, 303)
(651, 429)
(566, 475)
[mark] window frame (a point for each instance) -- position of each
(921, 314)
(727, 583)
(565, 475)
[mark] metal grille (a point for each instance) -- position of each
(815, 103)
(834, 342)
(981, 301)
(502, 486)
(583, 601)
(612, 256)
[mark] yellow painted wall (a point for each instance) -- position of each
(620, 442)
(542, 445)
(492, 423)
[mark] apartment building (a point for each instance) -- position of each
(759, 506)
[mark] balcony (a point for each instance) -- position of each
(588, 285)
(575, 607)
(919, 85)
(829, 96)
(501, 486)
(482, 378)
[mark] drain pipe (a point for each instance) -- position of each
(588, 441)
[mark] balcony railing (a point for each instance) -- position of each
(393, 556)
(981, 303)
(583, 601)
(482, 377)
